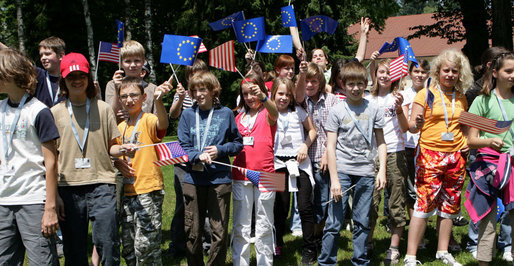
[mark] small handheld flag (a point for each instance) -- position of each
(181, 50)
(316, 24)
(265, 181)
(403, 46)
(222, 57)
(250, 30)
(170, 153)
(276, 44)
(288, 16)
(226, 22)
(109, 52)
(484, 124)
(202, 49)
(398, 68)
(121, 33)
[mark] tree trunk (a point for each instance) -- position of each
(148, 30)
(128, 34)
(90, 42)
(502, 23)
(474, 18)
(21, 26)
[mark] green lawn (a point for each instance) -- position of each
(292, 249)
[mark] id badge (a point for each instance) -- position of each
(7, 170)
(198, 167)
(248, 141)
(82, 163)
(287, 140)
(129, 180)
(447, 136)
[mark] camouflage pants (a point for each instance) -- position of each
(141, 228)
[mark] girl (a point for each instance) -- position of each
(440, 164)
(496, 102)
(257, 125)
(384, 95)
(291, 152)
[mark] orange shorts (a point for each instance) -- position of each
(439, 180)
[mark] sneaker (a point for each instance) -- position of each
(447, 258)
(309, 257)
(460, 221)
(411, 262)
(392, 256)
(474, 254)
(297, 233)
(278, 251)
(507, 256)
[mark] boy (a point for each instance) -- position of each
(144, 186)
(28, 191)
(352, 125)
(51, 52)
(132, 61)
(207, 186)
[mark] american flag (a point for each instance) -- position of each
(222, 57)
(265, 181)
(484, 124)
(109, 52)
(170, 153)
(398, 68)
(202, 49)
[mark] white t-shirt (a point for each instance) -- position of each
(392, 133)
(411, 140)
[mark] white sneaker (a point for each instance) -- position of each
(474, 254)
(507, 256)
(411, 262)
(447, 258)
(392, 256)
(297, 233)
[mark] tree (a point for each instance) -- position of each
(90, 40)
(148, 30)
(21, 26)
(128, 33)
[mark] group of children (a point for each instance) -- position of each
(69, 158)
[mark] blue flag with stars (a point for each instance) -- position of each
(226, 22)
(402, 46)
(180, 50)
(250, 30)
(288, 17)
(276, 44)
(316, 24)
(121, 32)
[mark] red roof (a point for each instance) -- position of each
(399, 27)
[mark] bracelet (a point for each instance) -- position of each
(264, 100)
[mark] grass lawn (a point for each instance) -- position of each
(292, 248)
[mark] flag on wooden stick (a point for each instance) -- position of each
(265, 181)
(398, 68)
(170, 153)
(222, 57)
(108, 52)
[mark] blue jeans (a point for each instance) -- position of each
(95, 203)
(504, 239)
(362, 198)
(296, 223)
(321, 192)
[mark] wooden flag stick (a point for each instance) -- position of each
(241, 74)
(325, 203)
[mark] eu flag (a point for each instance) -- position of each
(180, 50)
(276, 44)
(316, 24)
(288, 17)
(403, 46)
(226, 22)
(121, 32)
(250, 30)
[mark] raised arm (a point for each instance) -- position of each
(162, 117)
(363, 40)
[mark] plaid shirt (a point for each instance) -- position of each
(318, 112)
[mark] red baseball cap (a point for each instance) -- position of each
(73, 62)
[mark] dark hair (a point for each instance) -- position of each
(324, 53)
(56, 44)
(421, 63)
(132, 81)
(336, 71)
(496, 64)
(198, 66)
(487, 56)
(254, 78)
(290, 90)
(16, 67)
(90, 90)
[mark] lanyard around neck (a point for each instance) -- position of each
(201, 145)
(50, 90)
(133, 134)
(444, 106)
(82, 144)
(367, 137)
(7, 137)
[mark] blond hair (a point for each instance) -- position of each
(458, 58)
(16, 67)
(394, 85)
(132, 48)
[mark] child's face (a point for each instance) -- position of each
(133, 66)
(132, 99)
(505, 75)
(203, 96)
(251, 100)
(355, 89)
(49, 59)
(282, 98)
(312, 86)
(319, 58)
(7, 86)
(76, 82)
(418, 75)
(286, 72)
(383, 78)
(448, 75)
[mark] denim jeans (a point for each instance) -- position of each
(95, 203)
(362, 197)
(504, 239)
(296, 223)
(321, 192)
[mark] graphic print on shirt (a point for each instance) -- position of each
(213, 129)
(20, 131)
(357, 142)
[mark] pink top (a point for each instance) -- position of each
(259, 156)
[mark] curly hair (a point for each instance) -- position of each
(16, 67)
(458, 58)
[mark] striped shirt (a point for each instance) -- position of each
(187, 103)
